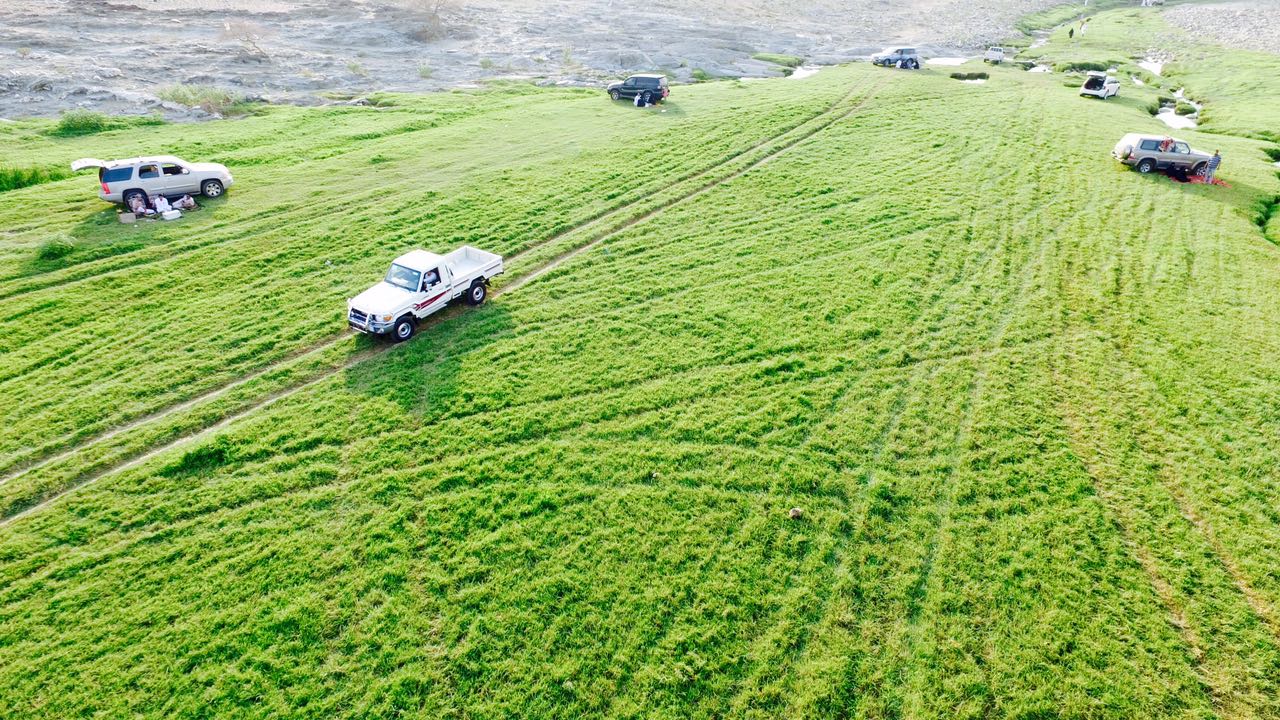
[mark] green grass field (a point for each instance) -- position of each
(1026, 398)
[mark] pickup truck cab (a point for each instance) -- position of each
(420, 283)
(1148, 153)
(994, 55)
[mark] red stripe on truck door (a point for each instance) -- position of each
(428, 301)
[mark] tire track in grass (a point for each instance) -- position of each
(920, 371)
(1259, 604)
(925, 368)
(34, 451)
(820, 122)
(945, 501)
(587, 225)
(1207, 623)
(869, 482)
(25, 456)
(1123, 352)
(1231, 645)
(300, 357)
(28, 455)
(609, 214)
(1163, 590)
(271, 219)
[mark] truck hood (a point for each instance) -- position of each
(382, 299)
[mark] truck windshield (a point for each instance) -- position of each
(403, 277)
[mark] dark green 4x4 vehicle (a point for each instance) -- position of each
(650, 88)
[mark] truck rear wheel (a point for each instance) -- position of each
(477, 293)
(1146, 166)
(403, 329)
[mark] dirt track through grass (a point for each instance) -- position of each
(772, 147)
(569, 233)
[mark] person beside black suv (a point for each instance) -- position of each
(649, 88)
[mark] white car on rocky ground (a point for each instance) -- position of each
(146, 177)
(420, 283)
(994, 55)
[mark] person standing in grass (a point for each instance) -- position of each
(1212, 168)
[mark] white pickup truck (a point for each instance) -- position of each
(418, 284)
(993, 55)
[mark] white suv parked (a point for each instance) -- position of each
(157, 175)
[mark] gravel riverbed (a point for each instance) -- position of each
(116, 55)
(1248, 25)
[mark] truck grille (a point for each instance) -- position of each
(358, 318)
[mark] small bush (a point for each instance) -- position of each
(701, 75)
(424, 72)
(1147, 78)
(1273, 153)
(969, 76)
(206, 97)
(777, 59)
(486, 63)
(24, 52)
(1082, 66)
(356, 68)
(55, 249)
(430, 31)
(250, 36)
(1183, 108)
(82, 122)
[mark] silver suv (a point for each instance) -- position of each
(897, 57)
(120, 180)
(1149, 153)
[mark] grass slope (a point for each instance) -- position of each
(1025, 397)
(1238, 88)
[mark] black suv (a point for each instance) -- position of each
(650, 88)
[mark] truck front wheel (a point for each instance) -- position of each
(477, 293)
(403, 329)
